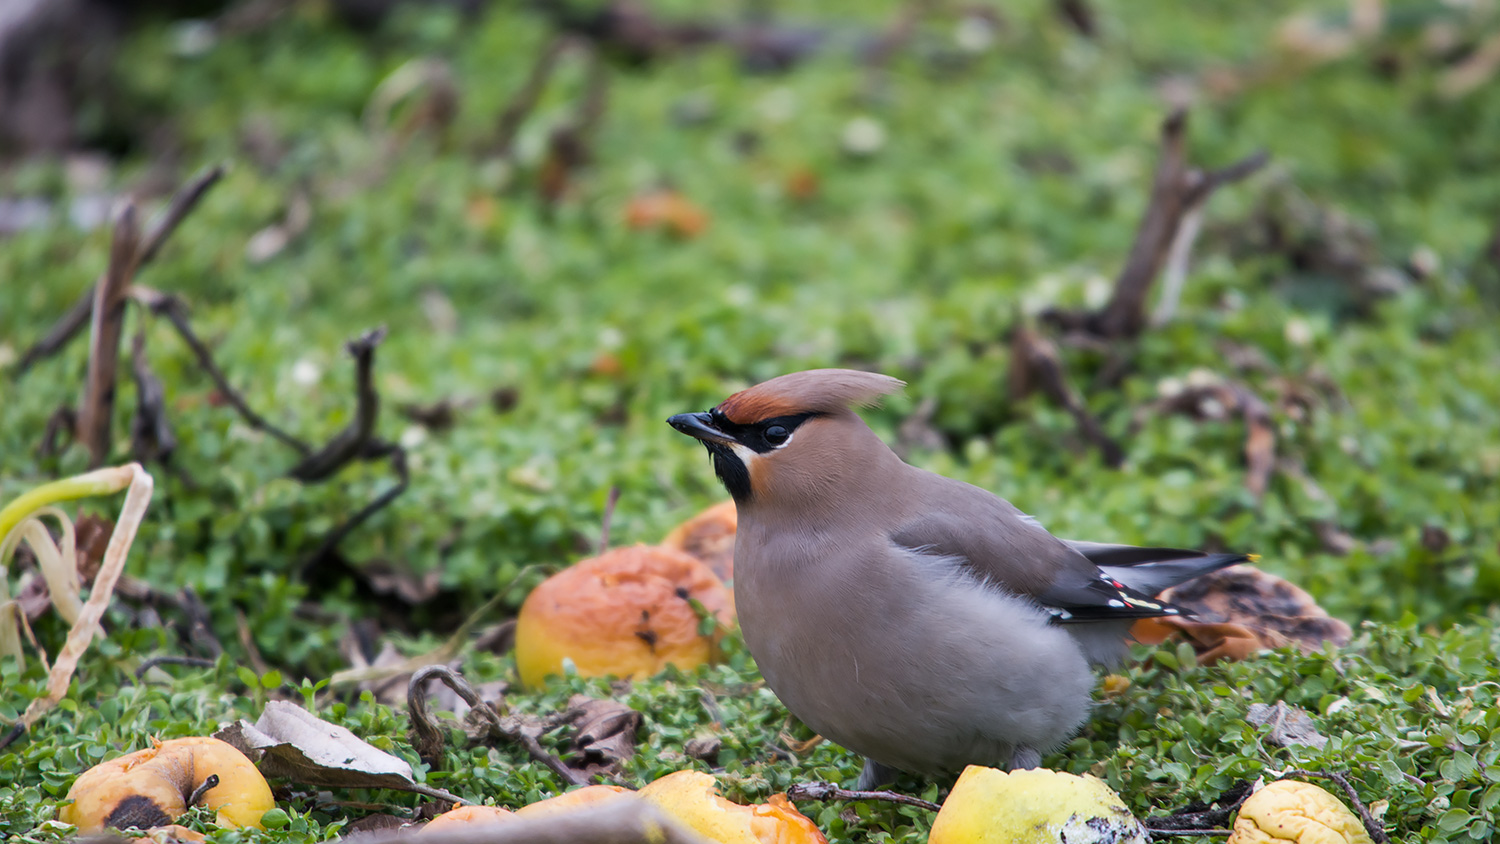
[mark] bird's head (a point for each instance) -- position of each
(790, 435)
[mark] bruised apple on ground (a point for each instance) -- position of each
(1291, 812)
(153, 787)
(989, 806)
(627, 612)
(467, 816)
(692, 797)
(569, 800)
(709, 536)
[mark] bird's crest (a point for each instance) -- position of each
(812, 391)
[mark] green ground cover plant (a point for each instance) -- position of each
(901, 218)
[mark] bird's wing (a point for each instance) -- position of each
(1153, 570)
(1012, 551)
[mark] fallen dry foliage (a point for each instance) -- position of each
(1241, 610)
(288, 741)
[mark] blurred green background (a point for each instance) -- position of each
(901, 216)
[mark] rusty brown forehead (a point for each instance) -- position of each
(749, 406)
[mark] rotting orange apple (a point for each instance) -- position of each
(709, 536)
(692, 798)
(153, 787)
(626, 612)
(467, 816)
(569, 800)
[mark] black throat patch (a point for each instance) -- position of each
(732, 471)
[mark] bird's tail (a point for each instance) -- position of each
(1155, 576)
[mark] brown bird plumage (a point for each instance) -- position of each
(920, 621)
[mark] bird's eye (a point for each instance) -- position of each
(777, 435)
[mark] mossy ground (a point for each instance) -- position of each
(1009, 179)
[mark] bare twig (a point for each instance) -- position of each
(829, 791)
(1200, 819)
(62, 331)
(63, 421)
(1079, 15)
(72, 322)
(524, 102)
(183, 202)
(349, 444)
(151, 436)
(427, 736)
(1034, 365)
(1187, 833)
(176, 312)
(78, 315)
(200, 630)
(373, 450)
(12, 734)
(172, 659)
(1372, 824)
(1177, 190)
(568, 148)
(510, 728)
(96, 410)
(609, 513)
(247, 643)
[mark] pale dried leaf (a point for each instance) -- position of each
(288, 741)
(1289, 725)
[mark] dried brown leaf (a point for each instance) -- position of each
(288, 741)
(1289, 725)
(605, 734)
(1241, 610)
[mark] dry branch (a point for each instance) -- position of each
(173, 659)
(524, 102)
(428, 737)
(568, 147)
(72, 322)
(96, 410)
(1178, 190)
(1199, 819)
(350, 443)
(151, 436)
(175, 311)
(1079, 15)
(829, 791)
(1035, 366)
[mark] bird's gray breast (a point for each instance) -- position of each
(904, 658)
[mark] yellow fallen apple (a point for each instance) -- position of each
(462, 816)
(626, 612)
(1290, 812)
(692, 798)
(569, 800)
(988, 806)
(153, 787)
(709, 536)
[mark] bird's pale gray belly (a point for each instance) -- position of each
(915, 668)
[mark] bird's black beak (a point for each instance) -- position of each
(700, 426)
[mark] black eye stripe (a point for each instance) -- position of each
(759, 436)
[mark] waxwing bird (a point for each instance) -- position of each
(922, 622)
